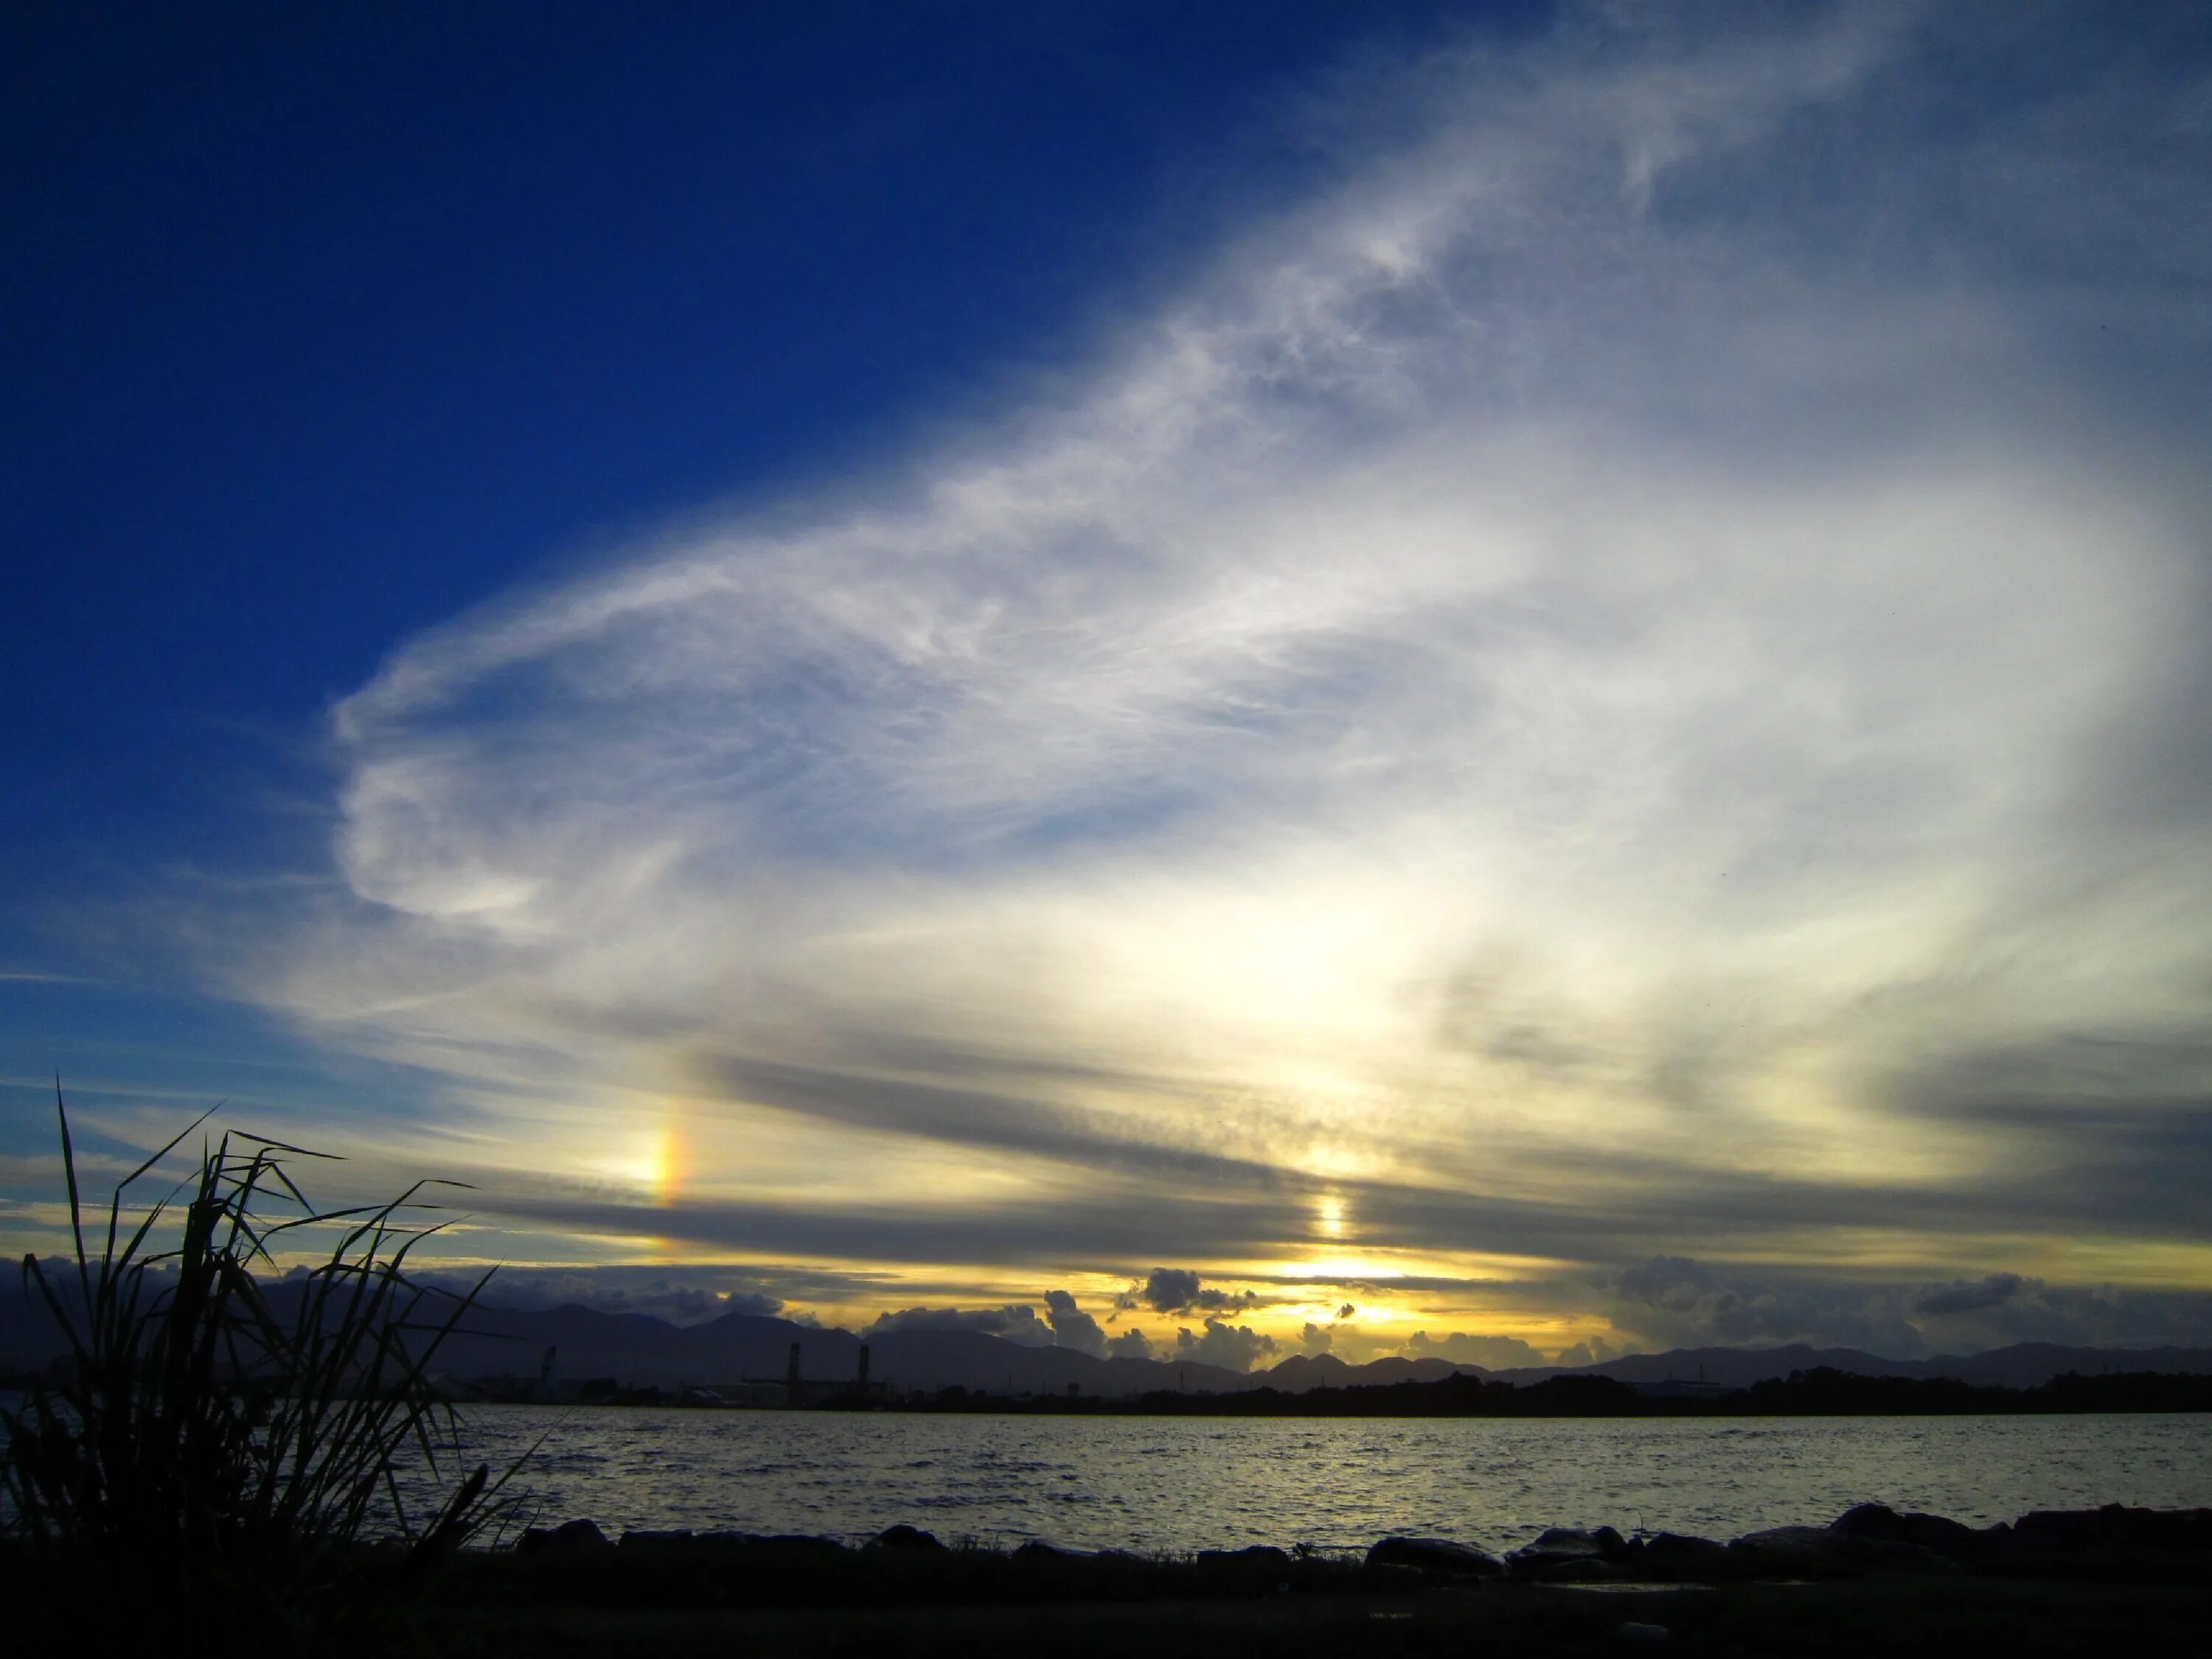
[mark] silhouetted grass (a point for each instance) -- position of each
(208, 1430)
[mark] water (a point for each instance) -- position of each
(1165, 1484)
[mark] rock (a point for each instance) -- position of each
(1882, 1524)
(1817, 1538)
(1632, 1631)
(1436, 1555)
(2115, 1527)
(656, 1537)
(903, 1537)
(2169, 1529)
(1567, 1552)
(1791, 1552)
(1677, 1555)
(1038, 1554)
(569, 1537)
(1823, 1552)
(1940, 1533)
(1603, 1543)
(1868, 1521)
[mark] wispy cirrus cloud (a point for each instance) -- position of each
(1597, 690)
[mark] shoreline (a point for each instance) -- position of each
(2189, 1395)
(1822, 1392)
(1874, 1579)
(2112, 1538)
(1896, 1618)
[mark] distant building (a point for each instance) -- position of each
(796, 1388)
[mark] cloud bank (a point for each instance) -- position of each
(1179, 1290)
(1673, 1303)
(1623, 681)
(1017, 1321)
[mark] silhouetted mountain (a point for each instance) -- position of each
(2023, 1365)
(1301, 1372)
(637, 1350)
(2026, 1365)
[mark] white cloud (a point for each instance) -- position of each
(1235, 1348)
(1131, 1344)
(1617, 640)
(1071, 1328)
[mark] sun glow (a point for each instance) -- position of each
(670, 1162)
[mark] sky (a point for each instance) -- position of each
(1501, 681)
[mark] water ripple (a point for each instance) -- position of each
(1148, 1483)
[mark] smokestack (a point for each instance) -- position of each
(863, 1379)
(791, 1374)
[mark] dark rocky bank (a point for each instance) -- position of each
(2109, 1582)
(577, 1564)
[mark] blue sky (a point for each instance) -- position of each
(1538, 666)
(326, 326)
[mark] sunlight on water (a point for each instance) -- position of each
(1178, 1484)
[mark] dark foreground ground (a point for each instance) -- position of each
(1875, 1615)
(2114, 1582)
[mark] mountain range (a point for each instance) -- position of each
(637, 1350)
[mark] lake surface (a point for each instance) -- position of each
(1164, 1484)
